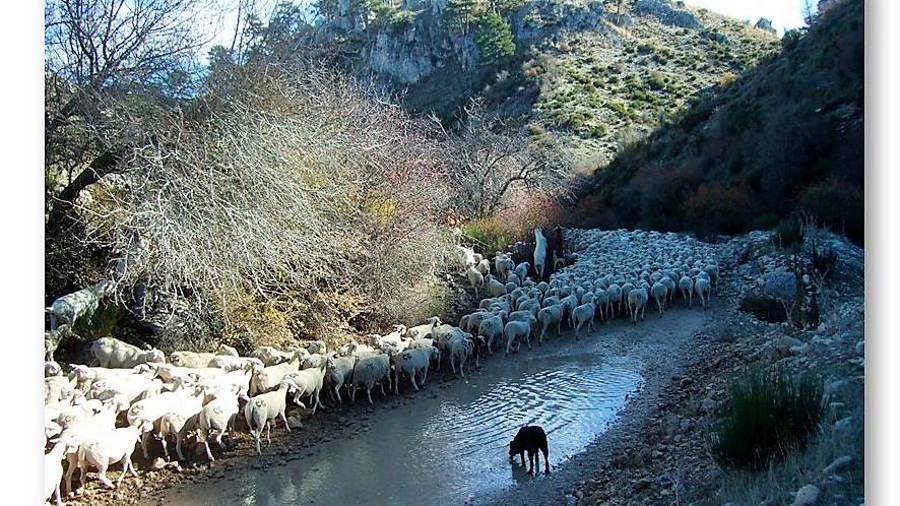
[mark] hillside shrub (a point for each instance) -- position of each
(770, 415)
(789, 233)
(837, 205)
(495, 38)
(718, 208)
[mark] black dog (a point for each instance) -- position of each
(531, 438)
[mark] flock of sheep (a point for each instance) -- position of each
(95, 416)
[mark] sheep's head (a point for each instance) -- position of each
(52, 369)
(155, 356)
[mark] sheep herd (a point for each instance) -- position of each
(96, 415)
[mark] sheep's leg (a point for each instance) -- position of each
(424, 373)
(178, 438)
(101, 474)
(353, 394)
(412, 378)
(659, 305)
(528, 340)
(284, 418)
(57, 496)
(219, 437)
(369, 394)
(337, 391)
(209, 454)
(165, 447)
(69, 472)
(124, 471)
(257, 435)
(397, 381)
(268, 432)
(144, 437)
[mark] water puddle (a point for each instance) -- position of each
(447, 446)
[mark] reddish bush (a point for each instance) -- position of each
(715, 208)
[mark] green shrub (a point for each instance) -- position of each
(487, 235)
(495, 38)
(770, 415)
(838, 205)
(789, 233)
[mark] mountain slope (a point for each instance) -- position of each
(785, 138)
(580, 67)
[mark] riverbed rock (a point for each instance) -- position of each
(784, 344)
(843, 424)
(837, 465)
(808, 495)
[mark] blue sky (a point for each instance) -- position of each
(785, 14)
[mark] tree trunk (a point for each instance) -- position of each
(62, 204)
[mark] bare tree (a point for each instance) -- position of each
(307, 191)
(98, 52)
(488, 158)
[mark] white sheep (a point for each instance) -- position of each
(521, 270)
(514, 331)
(550, 315)
(180, 418)
(424, 330)
(493, 287)
(216, 416)
(53, 471)
(540, 253)
(475, 278)
(659, 291)
(581, 315)
(686, 285)
(271, 356)
(484, 267)
(637, 301)
(614, 293)
(460, 348)
(413, 361)
(309, 382)
(264, 409)
(230, 363)
(491, 329)
(145, 414)
(113, 353)
(317, 347)
(190, 359)
(368, 371)
(110, 448)
(338, 371)
(269, 377)
(701, 288)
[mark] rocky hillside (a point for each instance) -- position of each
(597, 71)
(784, 138)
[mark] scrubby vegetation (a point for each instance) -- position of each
(784, 138)
(267, 197)
(769, 416)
